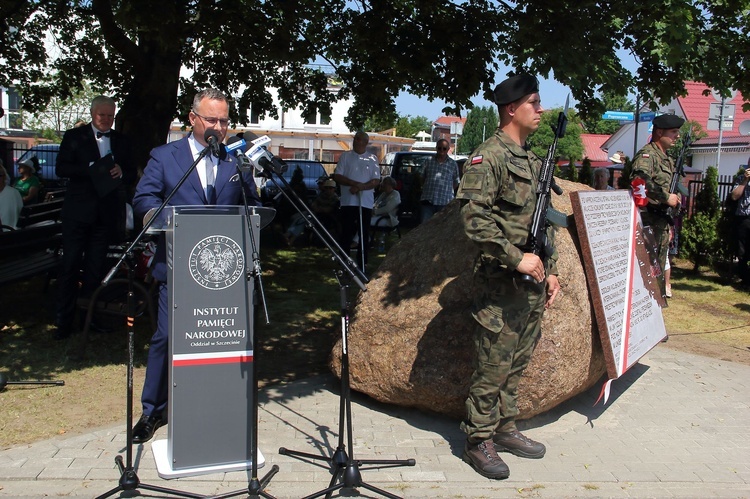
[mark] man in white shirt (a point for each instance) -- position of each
(358, 174)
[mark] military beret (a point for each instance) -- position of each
(514, 88)
(667, 121)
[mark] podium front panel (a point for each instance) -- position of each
(211, 392)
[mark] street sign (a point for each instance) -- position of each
(716, 110)
(646, 117)
(618, 115)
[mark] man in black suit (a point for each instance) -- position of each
(91, 217)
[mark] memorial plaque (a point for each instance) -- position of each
(622, 277)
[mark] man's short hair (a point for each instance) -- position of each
(208, 93)
(102, 100)
(360, 135)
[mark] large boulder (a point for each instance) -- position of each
(410, 338)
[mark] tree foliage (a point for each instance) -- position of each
(406, 126)
(481, 123)
(700, 235)
(135, 50)
(610, 102)
(569, 146)
(586, 175)
(62, 114)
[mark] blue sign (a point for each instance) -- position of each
(618, 115)
(646, 117)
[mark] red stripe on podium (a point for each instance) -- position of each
(240, 359)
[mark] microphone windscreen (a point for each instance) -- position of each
(211, 133)
(250, 136)
(236, 142)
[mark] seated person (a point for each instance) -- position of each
(323, 206)
(385, 209)
(326, 206)
(27, 183)
(10, 201)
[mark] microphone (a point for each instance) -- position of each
(259, 156)
(212, 138)
(236, 145)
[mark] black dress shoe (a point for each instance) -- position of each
(145, 427)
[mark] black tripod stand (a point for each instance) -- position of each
(345, 469)
(4, 382)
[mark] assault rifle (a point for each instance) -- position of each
(543, 213)
(679, 172)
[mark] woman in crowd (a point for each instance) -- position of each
(27, 183)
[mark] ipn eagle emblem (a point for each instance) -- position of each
(217, 262)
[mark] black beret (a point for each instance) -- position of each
(514, 88)
(667, 121)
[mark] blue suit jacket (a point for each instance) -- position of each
(165, 168)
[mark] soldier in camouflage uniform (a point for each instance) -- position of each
(498, 195)
(656, 169)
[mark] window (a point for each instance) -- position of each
(15, 118)
(254, 115)
(313, 118)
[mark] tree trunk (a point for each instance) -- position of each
(151, 103)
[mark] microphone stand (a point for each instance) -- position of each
(255, 486)
(128, 478)
(344, 467)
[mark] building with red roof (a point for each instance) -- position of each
(705, 110)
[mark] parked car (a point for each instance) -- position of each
(46, 156)
(311, 172)
(407, 169)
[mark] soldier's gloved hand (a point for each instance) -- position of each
(532, 265)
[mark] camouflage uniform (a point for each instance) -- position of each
(498, 195)
(655, 167)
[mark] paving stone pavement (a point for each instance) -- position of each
(675, 426)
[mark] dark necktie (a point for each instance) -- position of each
(210, 190)
(99, 135)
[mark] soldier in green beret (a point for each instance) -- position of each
(655, 167)
(498, 195)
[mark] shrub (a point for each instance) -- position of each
(700, 234)
(586, 174)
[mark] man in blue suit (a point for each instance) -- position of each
(215, 181)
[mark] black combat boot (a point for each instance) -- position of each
(484, 459)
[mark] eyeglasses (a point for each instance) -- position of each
(213, 121)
